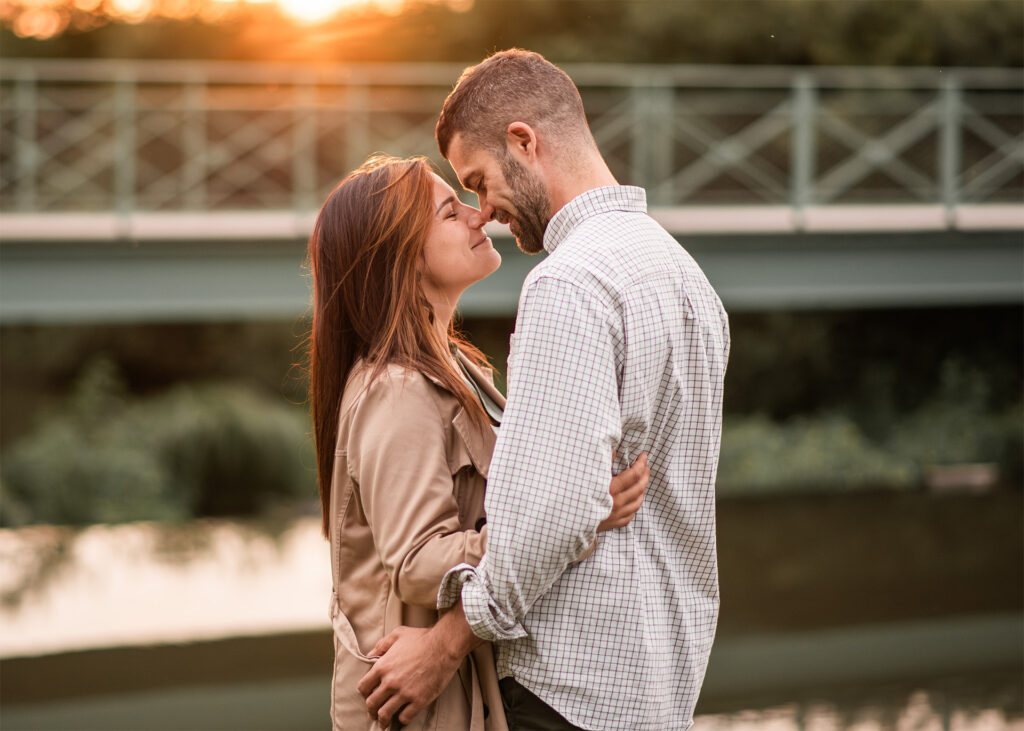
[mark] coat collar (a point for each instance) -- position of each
(485, 379)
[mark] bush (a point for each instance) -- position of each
(195, 450)
(960, 422)
(819, 454)
(958, 425)
(231, 449)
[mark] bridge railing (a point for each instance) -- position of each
(136, 137)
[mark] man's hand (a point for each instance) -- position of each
(410, 674)
(415, 666)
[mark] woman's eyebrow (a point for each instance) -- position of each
(446, 201)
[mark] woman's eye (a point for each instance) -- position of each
(451, 215)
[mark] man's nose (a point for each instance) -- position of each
(486, 210)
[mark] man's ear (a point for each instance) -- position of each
(521, 139)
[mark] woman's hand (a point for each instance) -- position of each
(627, 491)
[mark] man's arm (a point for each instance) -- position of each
(547, 486)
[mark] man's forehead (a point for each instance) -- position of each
(465, 159)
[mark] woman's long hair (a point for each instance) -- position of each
(368, 304)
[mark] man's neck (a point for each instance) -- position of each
(565, 185)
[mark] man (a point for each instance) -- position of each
(620, 344)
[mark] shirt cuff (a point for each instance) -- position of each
(485, 618)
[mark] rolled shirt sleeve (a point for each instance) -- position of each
(548, 483)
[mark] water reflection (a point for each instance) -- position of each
(149, 584)
(146, 583)
(980, 702)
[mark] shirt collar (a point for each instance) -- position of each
(591, 203)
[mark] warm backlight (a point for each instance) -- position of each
(313, 11)
(47, 18)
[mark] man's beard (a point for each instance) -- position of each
(529, 196)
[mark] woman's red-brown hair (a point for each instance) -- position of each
(365, 254)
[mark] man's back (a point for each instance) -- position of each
(621, 343)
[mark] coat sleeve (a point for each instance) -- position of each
(397, 458)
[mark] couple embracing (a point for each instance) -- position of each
(545, 563)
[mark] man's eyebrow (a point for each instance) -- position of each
(446, 201)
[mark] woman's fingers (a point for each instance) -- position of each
(626, 485)
(627, 490)
(630, 476)
(628, 499)
(638, 486)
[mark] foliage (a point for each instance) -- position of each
(803, 455)
(876, 365)
(818, 32)
(195, 450)
(230, 448)
(958, 423)
(218, 449)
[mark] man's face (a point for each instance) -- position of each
(508, 191)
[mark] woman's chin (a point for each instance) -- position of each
(497, 262)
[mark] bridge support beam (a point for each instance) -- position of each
(57, 282)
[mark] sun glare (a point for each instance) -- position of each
(43, 19)
(314, 11)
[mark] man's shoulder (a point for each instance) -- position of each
(609, 251)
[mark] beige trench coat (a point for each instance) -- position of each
(407, 504)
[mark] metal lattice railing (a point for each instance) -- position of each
(127, 137)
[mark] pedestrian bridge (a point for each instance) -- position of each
(135, 191)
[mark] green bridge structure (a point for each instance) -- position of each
(146, 191)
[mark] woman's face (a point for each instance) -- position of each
(457, 252)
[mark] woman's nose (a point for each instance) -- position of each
(486, 210)
(477, 219)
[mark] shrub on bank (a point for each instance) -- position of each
(223, 449)
(958, 424)
(213, 449)
(814, 454)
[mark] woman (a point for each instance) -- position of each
(404, 414)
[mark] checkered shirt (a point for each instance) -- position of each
(620, 344)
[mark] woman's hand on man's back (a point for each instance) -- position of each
(627, 490)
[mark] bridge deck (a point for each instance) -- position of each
(202, 277)
(259, 224)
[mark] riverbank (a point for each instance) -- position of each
(820, 595)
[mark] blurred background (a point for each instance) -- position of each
(849, 174)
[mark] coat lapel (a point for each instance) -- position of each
(484, 378)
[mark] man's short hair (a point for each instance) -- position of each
(510, 86)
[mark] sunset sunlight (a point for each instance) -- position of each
(313, 11)
(42, 19)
